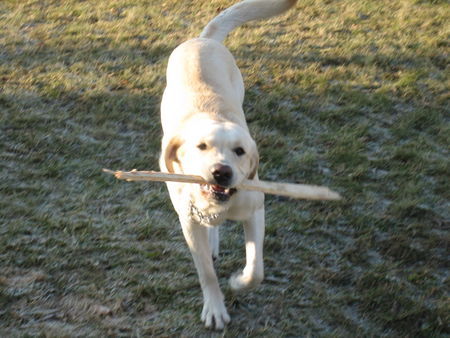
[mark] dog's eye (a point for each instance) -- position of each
(239, 151)
(202, 146)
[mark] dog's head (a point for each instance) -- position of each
(223, 153)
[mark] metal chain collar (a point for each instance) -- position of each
(204, 219)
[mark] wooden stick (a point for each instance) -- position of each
(300, 191)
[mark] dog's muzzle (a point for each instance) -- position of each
(217, 192)
(221, 191)
(222, 173)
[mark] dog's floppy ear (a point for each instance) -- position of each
(170, 153)
(254, 163)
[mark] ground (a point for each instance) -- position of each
(349, 94)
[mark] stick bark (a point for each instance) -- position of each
(298, 191)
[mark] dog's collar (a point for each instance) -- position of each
(202, 218)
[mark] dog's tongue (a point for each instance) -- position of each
(218, 188)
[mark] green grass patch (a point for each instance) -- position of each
(352, 95)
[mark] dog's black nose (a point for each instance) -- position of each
(222, 174)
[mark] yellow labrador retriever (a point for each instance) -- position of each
(205, 134)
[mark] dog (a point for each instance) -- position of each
(205, 133)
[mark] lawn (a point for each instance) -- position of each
(349, 94)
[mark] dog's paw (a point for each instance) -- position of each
(240, 281)
(215, 314)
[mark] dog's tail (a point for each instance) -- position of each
(242, 12)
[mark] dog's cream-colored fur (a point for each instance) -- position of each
(204, 127)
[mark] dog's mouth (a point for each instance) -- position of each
(217, 192)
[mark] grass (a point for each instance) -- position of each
(349, 94)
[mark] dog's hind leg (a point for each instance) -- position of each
(213, 237)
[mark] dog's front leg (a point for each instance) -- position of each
(214, 309)
(253, 273)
